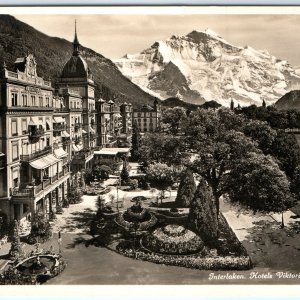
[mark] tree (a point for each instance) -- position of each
(203, 215)
(287, 150)
(257, 183)
(186, 190)
(163, 148)
(295, 184)
(135, 142)
(16, 249)
(160, 176)
(173, 117)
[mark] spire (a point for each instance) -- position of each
(76, 44)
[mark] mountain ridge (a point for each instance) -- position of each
(213, 69)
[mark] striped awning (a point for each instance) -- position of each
(65, 134)
(58, 120)
(60, 153)
(44, 162)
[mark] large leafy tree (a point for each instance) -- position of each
(257, 183)
(186, 190)
(221, 152)
(173, 117)
(163, 148)
(215, 147)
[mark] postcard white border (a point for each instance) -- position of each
(166, 292)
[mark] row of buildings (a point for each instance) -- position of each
(48, 133)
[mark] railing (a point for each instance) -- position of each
(34, 190)
(37, 154)
(292, 130)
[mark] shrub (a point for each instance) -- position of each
(16, 248)
(13, 277)
(134, 184)
(186, 190)
(40, 229)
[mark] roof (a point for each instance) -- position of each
(145, 108)
(75, 67)
(111, 151)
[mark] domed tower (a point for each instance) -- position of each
(76, 79)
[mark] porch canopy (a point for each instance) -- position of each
(44, 162)
(58, 120)
(60, 153)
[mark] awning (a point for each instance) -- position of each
(75, 148)
(32, 123)
(83, 131)
(58, 120)
(118, 116)
(107, 117)
(65, 134)
(80, 147)
(60, 153)
(2, 154)
(44, 162)
(49, 123)
(92, 130)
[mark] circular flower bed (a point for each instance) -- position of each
(173, 239)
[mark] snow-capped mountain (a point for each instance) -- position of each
(202, 66)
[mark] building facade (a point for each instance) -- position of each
(47, 134)
(34, 176)
(114, 128)
(148, 117)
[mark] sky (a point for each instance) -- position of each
(114, 35)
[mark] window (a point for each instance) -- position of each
(33, 101)
(14, 99)
(15, 151)
(47, 141)
(47, 102)
(14, 128)
(139, 115)
(41, 104)
(24, 100)
(24, 126)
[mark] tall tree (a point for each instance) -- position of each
(186, 190)
(135, 142)
(203, 215)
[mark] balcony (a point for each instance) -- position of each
(59, 127)
(31, 191)
(83, 154)
(35, 134)
(29, 157)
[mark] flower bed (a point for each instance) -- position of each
(194, 262)
(173, 239)
(120, 220)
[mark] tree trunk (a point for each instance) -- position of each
(282, 220)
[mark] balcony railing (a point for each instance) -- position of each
(36, 133)
(37, 154)
(32, 191)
